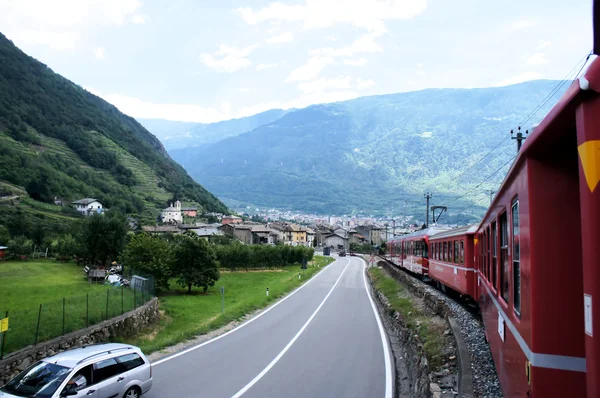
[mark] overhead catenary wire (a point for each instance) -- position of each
(554, 90)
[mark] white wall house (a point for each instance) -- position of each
(88, 206)
(172, 213)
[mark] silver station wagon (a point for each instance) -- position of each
(96, 371)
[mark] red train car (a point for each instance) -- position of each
(538, 255)
(451, 260)
(412, 251)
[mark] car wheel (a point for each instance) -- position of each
(132, 392)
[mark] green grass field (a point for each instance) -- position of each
(26, 285)
(186, 316)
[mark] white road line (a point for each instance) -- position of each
(386, 350)
(287, 347)
(242, 325)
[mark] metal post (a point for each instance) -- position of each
(222, 299)
(427, 196)
(134, 299)
(87, 309)
(37, 328)
(106, 313)
(63, 316)
(3, 340)
(122, 301)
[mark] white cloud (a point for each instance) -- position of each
(369, 14)
(535, 59)
(138, 19)
(321, 85)
(355, 62)
(426, 134)
(300, 102)
(543, 44)
(181, 112)
(99, 53)
(282, 38)
(59, 24)
(523, 77)
(231, 59)
(364, 44)
(522, 24)
(244, 90)
(364, 84)
(266, 66)
(310, 70)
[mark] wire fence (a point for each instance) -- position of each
(52, 319)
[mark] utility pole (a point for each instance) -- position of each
(519, 137)
(491, 192)
(427, 196)
(393, 227)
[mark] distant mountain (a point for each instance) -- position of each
(376, 154)
(58, 140)
(183, 134)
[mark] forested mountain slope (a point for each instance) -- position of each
(375, 154)
(58, 140)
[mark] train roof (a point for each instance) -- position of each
(466, 230)
(424, 233)
(552, 127)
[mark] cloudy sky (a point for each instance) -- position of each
(210, 60)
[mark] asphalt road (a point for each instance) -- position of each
(323, 340)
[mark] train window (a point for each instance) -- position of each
(494, 263)
(462, 251)
(425, 251)
(456, 254)
(504, 273)
(489, 255)
(445, 251)
(516, 257)
(484, 254)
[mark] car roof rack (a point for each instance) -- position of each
(104, 352)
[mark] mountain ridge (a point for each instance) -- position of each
(59, 140)
(371, 148)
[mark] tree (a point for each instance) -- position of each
(19, 247)
(67, 246)
(194, 263)
(149, 255)
(4, 235)
(103, 237)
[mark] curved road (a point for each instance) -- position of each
(325, 339)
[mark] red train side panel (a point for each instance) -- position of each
(451, 259)
(530, 261)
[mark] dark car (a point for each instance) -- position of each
(342, 254)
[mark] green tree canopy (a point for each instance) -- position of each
(103, 237)
(150, 255)
(194, 263)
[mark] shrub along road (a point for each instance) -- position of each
(323, 340)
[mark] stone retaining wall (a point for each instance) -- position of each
(416, 381)
(124, 325)
(439, 307)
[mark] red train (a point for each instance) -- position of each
(533, 263)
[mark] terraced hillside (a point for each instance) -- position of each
(58, 140)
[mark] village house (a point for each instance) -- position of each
(190, 211)
(2, 252)
(290, 234)
(88, 206)
(372, 233)
(172, 214)
(231, 220)
(310, 237)
(336, 241)
(162, 229)
(250, 234)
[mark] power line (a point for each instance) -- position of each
(486, 179)
(557, 87)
